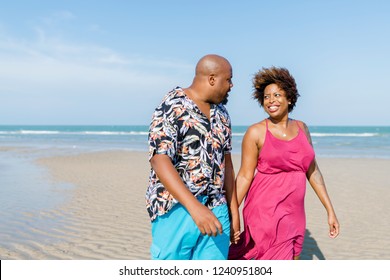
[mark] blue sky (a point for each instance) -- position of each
(110, 62)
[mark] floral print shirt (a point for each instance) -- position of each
(196, 147)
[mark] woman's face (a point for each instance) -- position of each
(275, 101)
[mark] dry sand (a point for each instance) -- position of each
(105, 217)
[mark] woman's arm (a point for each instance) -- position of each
(317, 182)
(249, 155)
(231, 197)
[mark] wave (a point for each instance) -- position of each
(51, 132)
(238, 134)
(316, 134)
(38, 132)
(135, 133)
(115, 132)
(365, 134)
(18, 132)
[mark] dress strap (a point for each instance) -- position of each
(266, 123)
(299, 127)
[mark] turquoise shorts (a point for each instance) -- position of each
(175, 236)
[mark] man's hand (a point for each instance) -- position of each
(206, 221)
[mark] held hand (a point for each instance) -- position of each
(235, 230)
(206, 221)
(334, 226)
(234, 236)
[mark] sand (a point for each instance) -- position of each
(105, 217)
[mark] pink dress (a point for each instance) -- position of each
(274, 214)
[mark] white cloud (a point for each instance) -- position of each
(58, 17)
(112, 58)
(52, 62)
(52, 77)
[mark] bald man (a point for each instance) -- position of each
(191, 197)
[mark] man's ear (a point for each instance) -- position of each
(212, 79)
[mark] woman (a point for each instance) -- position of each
(277, 157)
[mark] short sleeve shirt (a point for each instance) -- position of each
(196, 147)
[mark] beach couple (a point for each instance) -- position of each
(193, 196)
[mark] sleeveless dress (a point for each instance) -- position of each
(273, 213)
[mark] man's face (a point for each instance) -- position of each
(223, 84)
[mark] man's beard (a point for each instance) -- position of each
(225, 101)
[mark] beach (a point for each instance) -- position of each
(102, 216)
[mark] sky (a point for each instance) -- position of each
(111, 62)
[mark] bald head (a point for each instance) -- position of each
(211, 64)
(213, 79)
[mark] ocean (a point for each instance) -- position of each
(328, 141)
(29, 200)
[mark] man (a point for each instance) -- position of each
(189, 152)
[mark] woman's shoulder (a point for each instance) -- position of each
(301, 124)
(256, 130)
(257, 127)
(304, 127)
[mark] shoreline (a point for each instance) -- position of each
(104, 215)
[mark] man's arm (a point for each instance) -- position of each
(169, 177)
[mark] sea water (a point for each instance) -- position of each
(328, 141)
(29, 201)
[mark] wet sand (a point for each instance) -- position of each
(103, 215)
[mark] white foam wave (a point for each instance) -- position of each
(315, 134)
(51, 132)
(238, 134)
(366, 134)
(38, 132)
(115, 132)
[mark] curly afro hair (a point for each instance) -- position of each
(279, 76)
